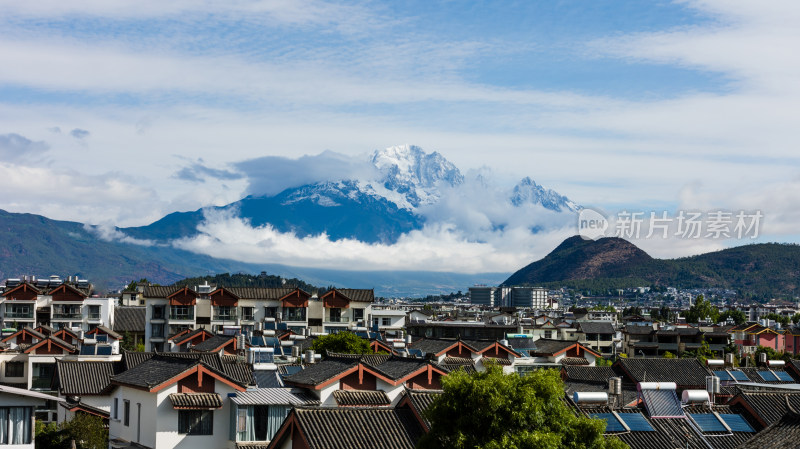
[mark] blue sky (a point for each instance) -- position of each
(616, 104)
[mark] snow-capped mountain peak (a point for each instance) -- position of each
(528, 192)
(408, 170)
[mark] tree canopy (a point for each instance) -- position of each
(701, 310)
(342, 342)
(493, 410)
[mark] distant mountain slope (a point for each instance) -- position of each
(35, 245)
(762, 270)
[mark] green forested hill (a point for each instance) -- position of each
(759, 270)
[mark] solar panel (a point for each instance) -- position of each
(415, 352)
(723, 375)
(87, 350)
(612, 423)
(768, 376)
(783, 376)
(636, 422)
(708, 422)
(739, 376)
(104, 350)
(363, 334)
(269, 325)
(662, 403)
(736, 422)
(271, 341)
(101, 337)
(282, 326)
(524, 352)
(257, 341)
(292, 369)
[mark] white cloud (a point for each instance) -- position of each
(436, 248)
(108, 232)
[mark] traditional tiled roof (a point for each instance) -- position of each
(45, 329)
(57, 341)
(398, 367)
(75, 406)
(357, 428)
(596, 374)
(159, 291)
(457, 361)
(419, 401)
(267, 379)
(129, 319)
(108, 331)
(469, 369)
(241, 371)
(131, 358)
(361, 398)
(430, 346)
(638, 330)
(574, 361)
(81, 378)
(499, 360)
(685, 372)
(782, 434)
(358, 294)
(321, 372)
(157, 370)
(274, 396)
(33, 332)
(195, 400)
(551, 347)
(769, 407)
(214, 343)
(595, 327)
(260, 293)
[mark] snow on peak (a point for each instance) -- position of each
(528, 192)
(409, 170)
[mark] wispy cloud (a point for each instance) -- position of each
(15, 147)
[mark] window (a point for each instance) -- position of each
(126, 412)
(15, 369)
(225, 313)
(196, 422)
(181, 312)
(156, 330)
(358, 314)
(248, 313)
(294, 314)
(385, 321)
(15, 425)
(270, 312)
(66, 311)
(335, 315)
(158, 312)
(259, 422)
(94, 312)
(19, 311)
(115, 412)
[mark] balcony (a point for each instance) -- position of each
(19, 315)
(66, 316)
(181, 316)
(226, 317)
(337, 319)
(41, 383)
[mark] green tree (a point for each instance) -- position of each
(86, 430)
(341, 342)
(493, 410)
(701, 310)
(738, 316)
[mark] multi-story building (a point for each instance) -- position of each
(52, 302)
(529, 298)
(171, 310)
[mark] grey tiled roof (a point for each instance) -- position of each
(157, 370)
(421, 400)
(213, 343)
(638, 330)
(782, 434)
(274, 396)
(131, 358)
(129, 319)
(431, 346)
(358, 428)
(769, 406)
(159, 291)
(685, 372)
(259, 293)
(550, 347)
(457, 361)
(325, 370)
(80, 378)
(240, 371)
(358, 294)
(595, 374)
(195, 400)
(110, 332)
(398, 367)
(595, 327)
(361, 398)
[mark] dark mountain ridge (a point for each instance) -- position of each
(761, 270)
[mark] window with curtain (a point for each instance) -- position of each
(15, 425)
(259, 422)
(196, 422)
